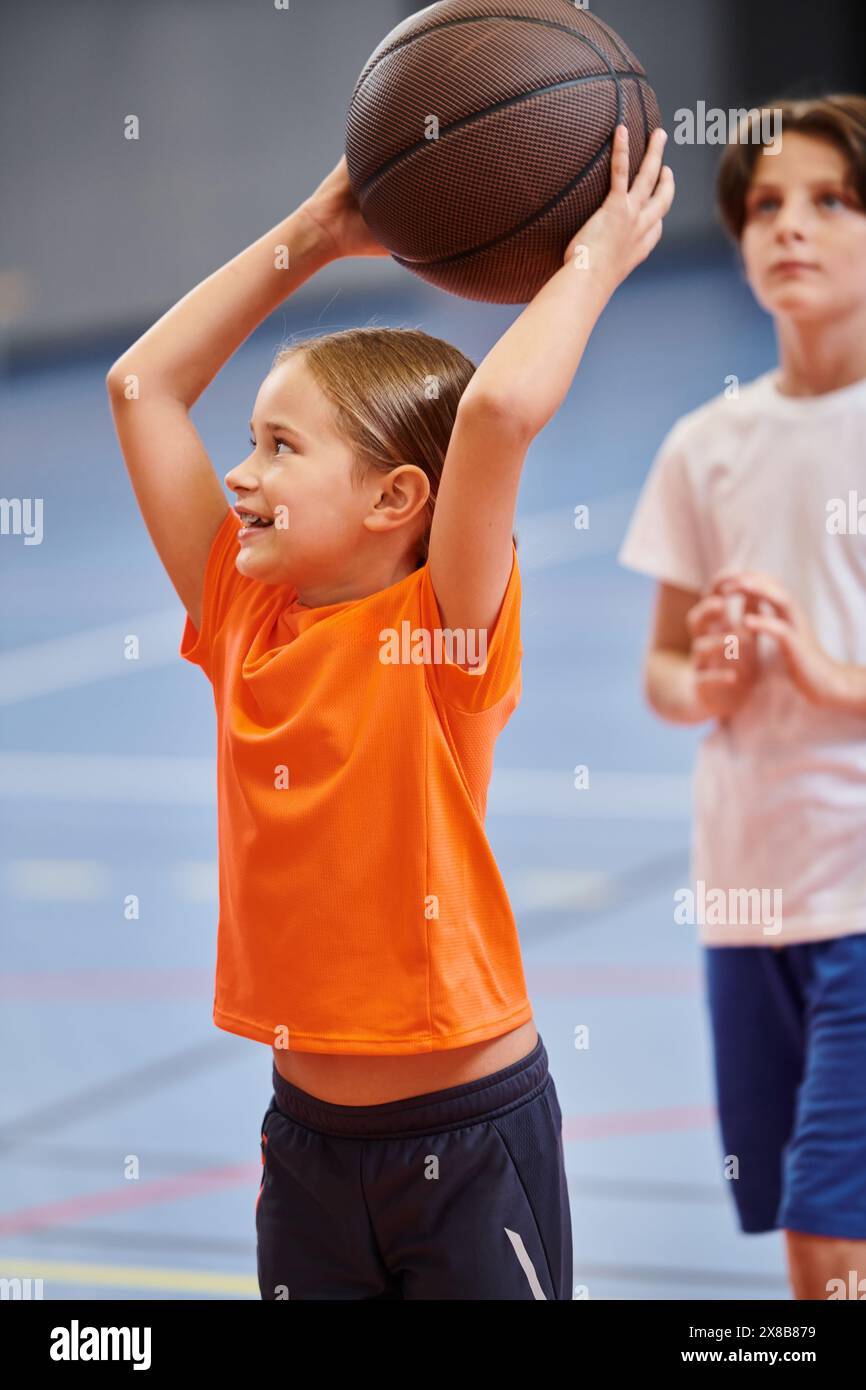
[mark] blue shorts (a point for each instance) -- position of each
(789, 1031)
(455, 1194)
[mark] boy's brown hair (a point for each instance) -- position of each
(839, 119)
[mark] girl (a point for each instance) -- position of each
(412, 1147)
(756, 502)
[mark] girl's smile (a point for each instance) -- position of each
(253, 523)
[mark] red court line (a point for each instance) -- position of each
(188, 982)
(627, 1123)
(104, 983)
(132, 1194)
(613, 979)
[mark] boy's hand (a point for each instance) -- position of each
(724, 657)
(334, 209)
(629, 222)
(818, 676)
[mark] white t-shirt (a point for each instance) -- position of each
(766, 482)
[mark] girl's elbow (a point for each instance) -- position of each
(501, 412)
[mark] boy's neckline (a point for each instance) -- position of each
(825, 400)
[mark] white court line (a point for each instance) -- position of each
(197, 881)
(97, 653)
(86, 880)
(132, 779)
(610, 795)
(549, 538)
(94, 654)
(145, 779)
(56, 880)
(540, 889)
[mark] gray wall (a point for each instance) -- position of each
(242, 113)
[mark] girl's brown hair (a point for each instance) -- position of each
(394, 392)
(839, 119)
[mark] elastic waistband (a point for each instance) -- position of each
(431, 1113)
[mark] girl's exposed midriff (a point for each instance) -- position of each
(361, 1080)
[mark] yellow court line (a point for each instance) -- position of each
(127, 1276)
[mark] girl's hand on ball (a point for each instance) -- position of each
(628, 225)
(334, 210)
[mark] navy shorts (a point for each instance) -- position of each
(455, 1194)
(789, 1030)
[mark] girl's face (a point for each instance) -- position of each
(297, 477)
(804, 241)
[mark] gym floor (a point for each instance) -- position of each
(107, 792)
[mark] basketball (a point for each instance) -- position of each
(479, 134)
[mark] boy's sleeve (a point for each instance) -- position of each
(497, 655)
(664, 537)
(222, 584)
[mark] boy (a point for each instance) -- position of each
(750, 521)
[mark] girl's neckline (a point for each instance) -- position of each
(295, 606)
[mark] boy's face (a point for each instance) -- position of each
(298, 474)
(804, 240)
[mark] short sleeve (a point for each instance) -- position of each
(664, 535)
(222, 585)
(496, 654)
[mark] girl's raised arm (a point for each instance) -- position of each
(153, 386)
(522, 382)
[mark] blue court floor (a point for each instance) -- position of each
(110, 1056)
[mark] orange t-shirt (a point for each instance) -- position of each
(361, 908)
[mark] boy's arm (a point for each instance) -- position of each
(154, 384)
(522, 382)
(669, 676)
